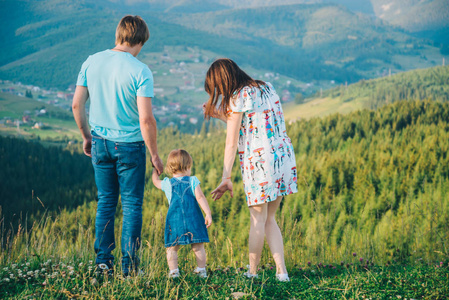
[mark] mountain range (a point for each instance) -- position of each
(341, 40)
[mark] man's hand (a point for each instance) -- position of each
(87, 146)
(157, 164)
(225, 185)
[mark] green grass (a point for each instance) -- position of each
(73, 277)
(50, 262)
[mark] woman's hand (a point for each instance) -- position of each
(225, 185)
(215, 114)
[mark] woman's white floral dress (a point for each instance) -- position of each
(267, 159)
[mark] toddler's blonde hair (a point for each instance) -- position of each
(178, 160)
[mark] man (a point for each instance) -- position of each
(120, 88)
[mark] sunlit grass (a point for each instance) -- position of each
(48, 261)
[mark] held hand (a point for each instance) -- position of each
(157, 164)
(225, 185)
(208, 221)
(87, 146)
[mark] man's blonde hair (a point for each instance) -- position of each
(178, 161)
(132, 30)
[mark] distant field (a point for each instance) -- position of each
(321, 107)
(58, 123)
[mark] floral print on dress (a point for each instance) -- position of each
(267, 159)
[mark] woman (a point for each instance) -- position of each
(256, 126)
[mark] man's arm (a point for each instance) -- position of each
(79, 112)
(149, 131)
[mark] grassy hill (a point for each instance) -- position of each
(372, 183)
(375, 183)
(432, 83)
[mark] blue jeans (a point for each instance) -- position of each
(118, 167)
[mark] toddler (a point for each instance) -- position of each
(184, 223)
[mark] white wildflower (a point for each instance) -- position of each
(80, 264)
(91, 262)
(6, 279)
(14, 266)
(70, 268)
(93, 281)
(28, 264)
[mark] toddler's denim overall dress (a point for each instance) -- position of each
(185, 222)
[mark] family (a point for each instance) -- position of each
(121, 127)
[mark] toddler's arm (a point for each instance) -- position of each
(156, 181)
(202, 201)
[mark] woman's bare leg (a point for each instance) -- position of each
(256, 235)
(172, 257)
(200, 254)
(274, 236)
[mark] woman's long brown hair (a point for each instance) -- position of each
(224, 78)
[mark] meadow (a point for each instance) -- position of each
(370, 219)
(47, 264)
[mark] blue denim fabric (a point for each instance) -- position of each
(185, 222)
(118, 167)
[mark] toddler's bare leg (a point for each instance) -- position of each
(200, 254)
(172, 257)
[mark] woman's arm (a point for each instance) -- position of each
(202, 201)
(232, 137)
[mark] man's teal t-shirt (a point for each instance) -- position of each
(114, 80)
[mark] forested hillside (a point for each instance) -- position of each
(374, 182)
(36, 178)
(432, 83)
